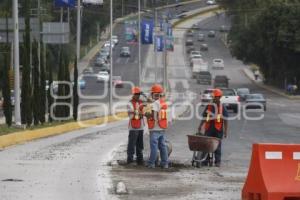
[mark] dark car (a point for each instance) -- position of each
(211, 34)
(204, 78)
(190, 49)
(255, 101)
(203, 47)
(221, 81)
(189, 42)
(242, 92)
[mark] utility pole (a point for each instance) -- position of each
(39, 27)
(16, 64)
(140, 40)
(122, 8)
(111, 59)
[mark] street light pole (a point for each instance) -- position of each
(111, 58)
(16, 64)
(78, 30)
(140, 40)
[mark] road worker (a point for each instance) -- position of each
(215, 121)
(136, 128)
(157, 123)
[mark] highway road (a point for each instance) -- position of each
(127, 68)
(279, 125)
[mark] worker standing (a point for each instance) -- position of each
(136, 128)
(157, 124)
(215, 121)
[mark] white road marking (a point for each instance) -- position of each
(127, 60)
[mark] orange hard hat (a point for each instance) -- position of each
(136, 90)
(217, 93)
(156, 88)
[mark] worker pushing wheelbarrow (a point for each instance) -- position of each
(215, 124)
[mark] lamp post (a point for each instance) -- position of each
(16, 64)
(140, 40)
(111, 59)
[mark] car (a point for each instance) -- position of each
(204, 78)
(103, 76)
(201, 37)
(221, 81)
(189, 42)
(255, 101)
(104, 54)
(190, 33)
(230, 99)
(117, 81)
(218, 63)
(195, 54)
(107, 44)
(115, 39)
(88, 70)
(125, 52)
(189, 49)
(211, 2)
(223, 28)
(203, 47)
(195, 27)
(100, 61)
(242, 92)
(105, 67)
(211, 34)
(206, 96)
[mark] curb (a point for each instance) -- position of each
(269, 88)
(29, 135)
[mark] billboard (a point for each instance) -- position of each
(64, 3)
(131, 32)
(159, 43)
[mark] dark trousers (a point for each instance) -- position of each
(214, 133)
(135, 144)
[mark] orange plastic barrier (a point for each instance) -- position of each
(274, 173)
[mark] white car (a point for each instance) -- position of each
(206, 96)
(218, 63)
(103, 76)
(230, 99)
(210, 2)
(107, 44)
(115, 39)
(195, 54)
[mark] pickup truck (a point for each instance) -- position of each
(230, 99)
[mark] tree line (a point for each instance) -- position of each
(267, 33)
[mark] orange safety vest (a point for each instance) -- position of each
(136, 120)
(161, 117)
(218, 120)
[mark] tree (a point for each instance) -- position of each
(36, 85)
(42, 89)
(26, 93)
(75, 91)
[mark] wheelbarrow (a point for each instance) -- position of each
(203, 148)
